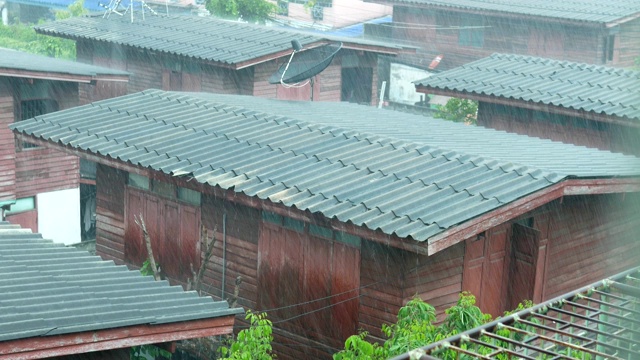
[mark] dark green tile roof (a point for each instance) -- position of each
(594, 88)
(19, 60)
(48, 289)
(204, 38)
(403, 174)
(576, 10)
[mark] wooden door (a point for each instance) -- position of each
(522, 277)
(485, 272)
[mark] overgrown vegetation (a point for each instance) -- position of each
(458, 110)
(415, 328)
(253, 343)
(248, 10)
(23, 37)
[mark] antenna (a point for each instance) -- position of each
(304, 66)
(116, 7)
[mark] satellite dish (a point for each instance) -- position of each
(305, 64)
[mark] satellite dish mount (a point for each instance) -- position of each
(301, 70)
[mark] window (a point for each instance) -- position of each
(138, 181)
(188, 195)
(163, 189)
(609, 46)
(283, 8)
(471, 31)
(33, 108)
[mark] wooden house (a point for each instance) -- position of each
(334, 214)
(212, 55)
(328, 14)
(462, 31)
(603, 311)
(63, 303)
(576, 103)
(40, 187)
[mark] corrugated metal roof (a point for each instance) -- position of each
(598, 321)
(19, 60)
(49, 289)
(600, 89)
(577, 10)
(403, 174)
(205, 38)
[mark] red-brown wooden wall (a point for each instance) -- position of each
(155, 72)
(600, 135)
(579, 239)
(513, 35)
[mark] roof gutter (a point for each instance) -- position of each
(110, 339)
(536, 106)
(62, 77)
(528, 203)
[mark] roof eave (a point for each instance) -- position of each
(463, 231)
(418, 247)
(531, 105)
(117, 338)
(18, 73)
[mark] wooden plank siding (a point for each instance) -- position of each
(7, 142)
(512, 35)
(590, 238)
(627, 48)
(381, 286)
(566, 129)
(110, 225)
(435, 279)
(40, 170)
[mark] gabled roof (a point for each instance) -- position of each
(230, 43)
(404, 175)
(15, 63)
(594, 11)
(596, 321)
(591, 88)
(49, 291)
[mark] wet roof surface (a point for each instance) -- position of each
(578, 10)
(19, 60)
(403, 174)
(600, 89)
(205, 38)
(49, 289)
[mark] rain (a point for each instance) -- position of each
(323, 179)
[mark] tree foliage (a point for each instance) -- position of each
(24, 38)
(248, 10)
(458, 110)
(253, 343)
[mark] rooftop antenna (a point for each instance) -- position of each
(116, 7)
(301, 69)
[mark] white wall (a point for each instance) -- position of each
(401, 88)
(59, 215)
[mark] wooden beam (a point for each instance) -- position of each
(528, 203)
(76, 343)
(433, 245)
(501, 100)
(61, 76)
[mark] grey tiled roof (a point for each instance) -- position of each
(600, 89)
(403, 174)
(18, 60)
(205, 38)
(575, 10)
(48, 289)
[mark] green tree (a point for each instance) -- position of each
(458, 110)
(249, 10)
(22, 37)
(253, 343)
